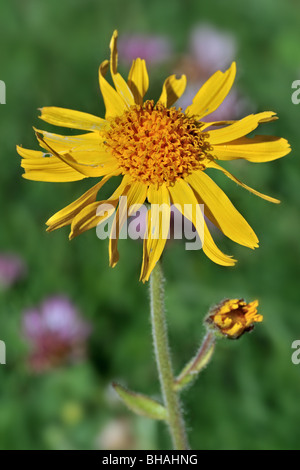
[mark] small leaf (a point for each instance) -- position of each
(141, 404)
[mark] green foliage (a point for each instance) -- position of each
(141, 404)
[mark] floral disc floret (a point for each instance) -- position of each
(156, 145)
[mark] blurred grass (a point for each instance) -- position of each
(249, 396)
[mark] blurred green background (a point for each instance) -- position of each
(248, 398)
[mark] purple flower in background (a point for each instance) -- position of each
(234, 104)
(12, 268)
(56, 333)
(154, 49)
(211, 48)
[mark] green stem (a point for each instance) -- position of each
(163, 360)
(198, 363)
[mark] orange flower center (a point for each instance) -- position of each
(155, 144)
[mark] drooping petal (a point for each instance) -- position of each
(185, 200)
(136, 194)
(138, 80)
(73, 119)
(172, 90)
(119, 82)
(261, 148)
(218, 206)
(240, 128)
(158, 225)
(67, 214)
(212, 93)
(114, 103)
(236, 180)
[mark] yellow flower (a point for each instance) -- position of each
(233, 317)
(161, 153)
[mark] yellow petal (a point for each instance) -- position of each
(30, 154)
(92, 157)
(114, 103)
(119, 82)
(185, 200)
(221, 211)
(213, 252)
(69, 142)
(158, 223)
(52, 176)
(136, 194)
(87, 149)
(172, 90)
(205, 125)
(138, 80)
(85, 169)
(87, 218)
(67, 214)
(212, 93)
(74, 119)
(39, 166)
(261, 148)
(239, 128)
(233, 178)
(49, 169)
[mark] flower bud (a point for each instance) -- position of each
(233, 317)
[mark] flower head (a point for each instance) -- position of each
(56, 333)
(161, 153)
(234, 317)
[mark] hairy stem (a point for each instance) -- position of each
(198, 363)
(163, 360)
